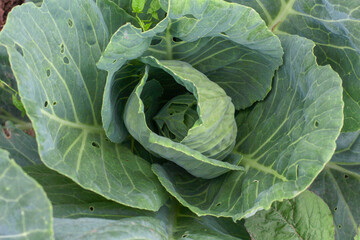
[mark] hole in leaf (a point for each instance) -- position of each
(175, 39)
(114, 61)
(335, 209)
(218, 204)
(19, 49)
(46, 104)
(91, 208)
(346, 176)
(184, 235)
(54, 103)
(223, 33)
(70, 23)
(339, 226)
(66, 60)
(155, 41)
(7, 133)
(62, 48)
(190, 16)
(94, 144)
(48, 72)
(316, 123)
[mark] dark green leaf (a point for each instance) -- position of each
(25, 211)
(338, 185)
(304, 217)
(114, 16)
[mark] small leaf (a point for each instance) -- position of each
(147, 26)
(138, 5)
(155, 15)
(154, 6)
(18, 104)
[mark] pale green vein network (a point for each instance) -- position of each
(70, 139)
(284, 141)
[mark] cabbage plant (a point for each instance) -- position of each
(180, 119)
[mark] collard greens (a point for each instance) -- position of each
(180, 119)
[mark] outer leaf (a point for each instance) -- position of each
(215, 111)
(338, 185)
(185, 225)
(304, 217)
(69, 200)
(172, 222)
(334, 26)
(226, 42)
(22, 147)
(285, 141)
(53, 51)
(25, 211)
(130, 228)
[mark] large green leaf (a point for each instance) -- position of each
(69, 200)
(171, 222)
(339, 184)
(213, 135)
(334, 26)
(53, 51)
(229, 43)
(304, 217)
(25, 211)
(83, 212)
(124, 229)
(285, 141)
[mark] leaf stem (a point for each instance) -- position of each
(168, 40)
(140, 22)
(6, 116)
(13, 90)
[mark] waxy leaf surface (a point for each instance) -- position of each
(53, 51)
(285, 141)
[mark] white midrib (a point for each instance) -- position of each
(284, 11)
(89, 128)
(253, 164)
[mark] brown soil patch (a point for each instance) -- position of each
(5, 8)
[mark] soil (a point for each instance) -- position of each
(5, 8)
